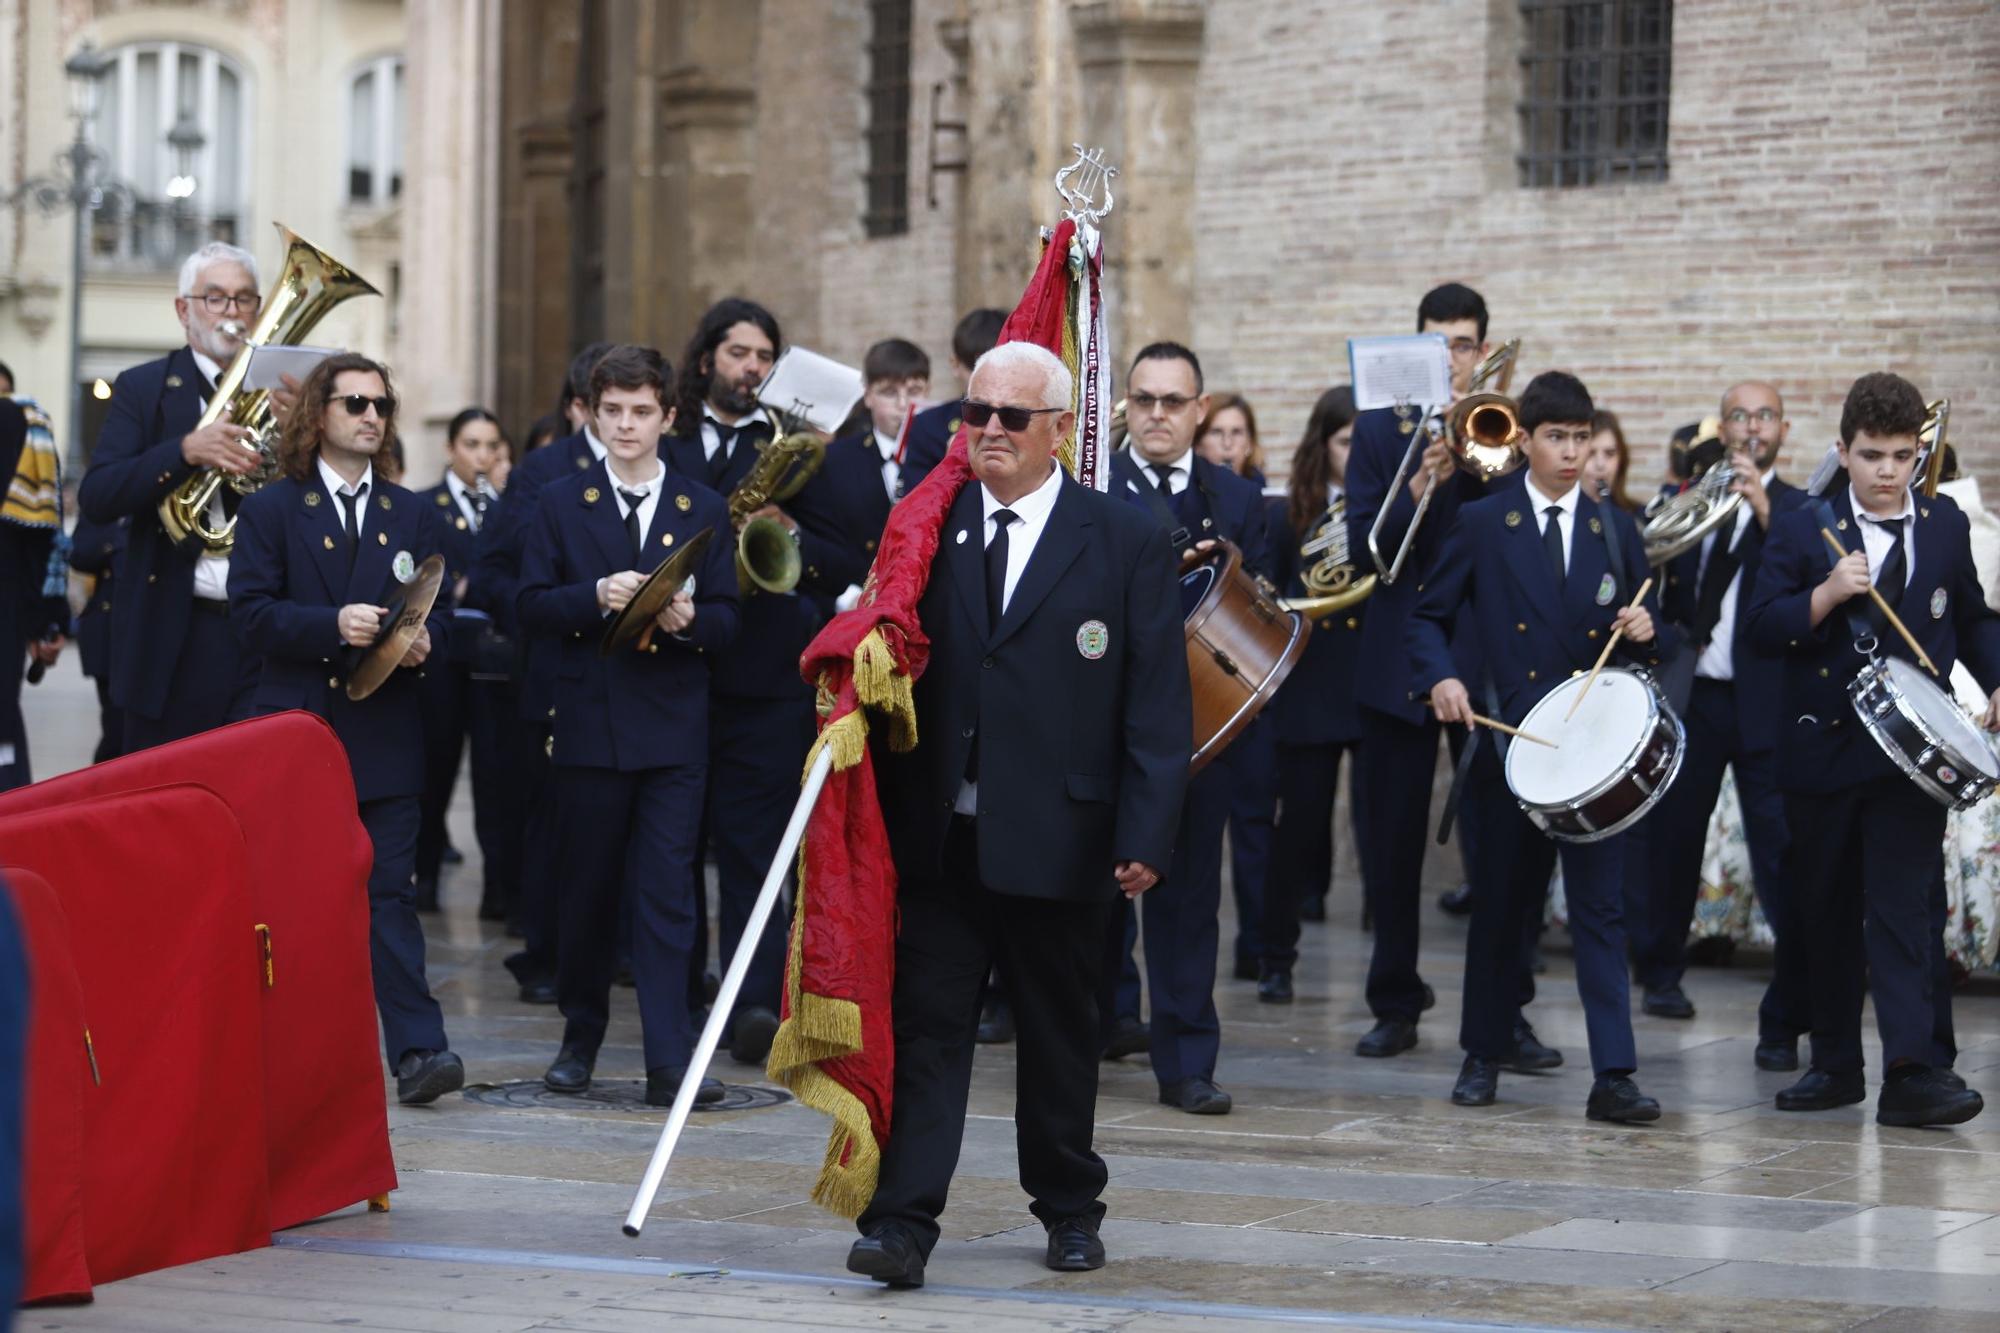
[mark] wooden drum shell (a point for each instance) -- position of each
(1240, 647)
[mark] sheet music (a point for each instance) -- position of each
(817, 389)
(1413, 369)
(269, 362)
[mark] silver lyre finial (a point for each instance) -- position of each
(1082, 182)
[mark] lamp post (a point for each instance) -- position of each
(187, 141)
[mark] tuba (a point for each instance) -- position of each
(310, 283)
(767, 555)
(1330, 582)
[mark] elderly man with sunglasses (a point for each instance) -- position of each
(175, 668)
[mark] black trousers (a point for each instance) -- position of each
(411, 1020)
(952, 932)
(110, 724)
(617, 828)
(1868, 861)
(1252, 761)
(1679, 838)
(459, 709)
(1302, 846)
(535, 905)
(211, 684)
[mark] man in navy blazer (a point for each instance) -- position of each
(630, 734)
(175, 667)
(321, 554)
(1867, 844)
(932, 429)
(1732, 722)
(1055, 727)
(1543, 572)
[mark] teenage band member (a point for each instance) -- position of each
(1732, 722)
(1866, 843)
(1543, 573)
(630, 733)
(175, 667)
(320, 554)
(1056, 808)
(931, 429)
(1195, 502)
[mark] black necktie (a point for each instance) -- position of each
(718, 462)
(632, 499)
(1715, 579)
(1165, 478)
(352, 504)
(996, 568)
(1552, 541)
(1896, 569)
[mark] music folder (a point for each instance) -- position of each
(1406, 370)
(816, 389)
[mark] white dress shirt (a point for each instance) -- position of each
(1180, 472)
(1715, 662)
(597, 449)
(211, 572)
(1566, 502)
(1876, 540)
(1031, 515)
(892, 467)
(648, 492)
(711, 430)
(467, 498)
(336, 488)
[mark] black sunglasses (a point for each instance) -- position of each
(357, 403)
(977, 414)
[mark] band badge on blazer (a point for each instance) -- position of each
(1092, 638)
(682, 503)
(404, 566)
(590, 494)
(1596, 527)
(961, 537)
(1606, 589)
(312, 499)
(1513, 518)
(444, 501)
(174, 381)
(952, 427)
(1937, 604)
(582, 463)
(383, 500)
(328, 541)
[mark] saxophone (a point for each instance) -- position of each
(310, 283)
(767, 555)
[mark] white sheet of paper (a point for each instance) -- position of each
(270, 362)
(817, 389)
(1412, 368)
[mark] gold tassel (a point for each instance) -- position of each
(879, 684)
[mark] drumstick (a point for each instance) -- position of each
(1605, 656)
(1923, 658)
(1512, 731)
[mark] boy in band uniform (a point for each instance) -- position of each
(630, 733)
(1866, 842)
(321, 554)
(1544, 574)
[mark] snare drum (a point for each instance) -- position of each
(1610, 763)
(1240, 646)
(1925, 732)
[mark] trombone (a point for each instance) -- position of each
(1485, 436)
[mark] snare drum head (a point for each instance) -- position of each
(1936, 708)
(1595, 745)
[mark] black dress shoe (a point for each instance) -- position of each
(1529, 1053)
(1711, 951)
(1391, 1036)
(1948, 1075)
(1926, 1098)
(1478, 1082)
(1129, 1036)
(1074, 1246)
(492, 911)
(1246, 969)
(570, 1071)
(1312, 909)
(539, 991)
(425, 892)
(1618, 1098)
(1275, 986)
(1819, 1090)
(424, 1076)
(1430, 1000)
(996, 1023)
(750, 1040)
(663, 1084)
(1779, 1056)
(1197, 1096)
(1456, 902)
(1669, 1002)
(451, 856)
(711, 986)
(888, 1255)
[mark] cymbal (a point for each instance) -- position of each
(400, 629)
(654, 594)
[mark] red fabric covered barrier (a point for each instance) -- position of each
(168, 972)
(52, 1146)
(286, 780)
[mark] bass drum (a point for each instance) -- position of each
(1607, 766)
(1925, 732)
(1240, 646)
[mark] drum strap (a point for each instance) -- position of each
(1614, 555)
(1858, 622)
(1163, 513)
(1491, 697)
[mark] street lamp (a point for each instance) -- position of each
(187, 141)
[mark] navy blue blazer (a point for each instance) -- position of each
(772, 631)
(498, 552)
(1079, 699)
(1378, 448)
(927, 441)
(1315, 705)
(635, 709)
(136, 463)
(1216, 503)
(456, 537)
(1532, 634)
(1822, 747)
(1757, 675)
(94, 549)
(288, 578)
(841, 515)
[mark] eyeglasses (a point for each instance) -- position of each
(1763, 416)
(1168, 403)
(1462, 346)
(217, 303)
(977, 414)
(358, 403)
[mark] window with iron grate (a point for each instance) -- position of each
(1595, 79)
(888, 177)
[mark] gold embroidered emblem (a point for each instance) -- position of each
(590, 494)
(682, 503)
(384, 500)
(1595, 526)
(1513, 518)
(328, 541)
(312, 499)
(444, 501)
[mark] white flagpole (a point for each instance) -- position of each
(725, 997)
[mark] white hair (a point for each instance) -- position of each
(1057, 383)
(215, 252)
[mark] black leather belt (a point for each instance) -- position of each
(212, 605)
